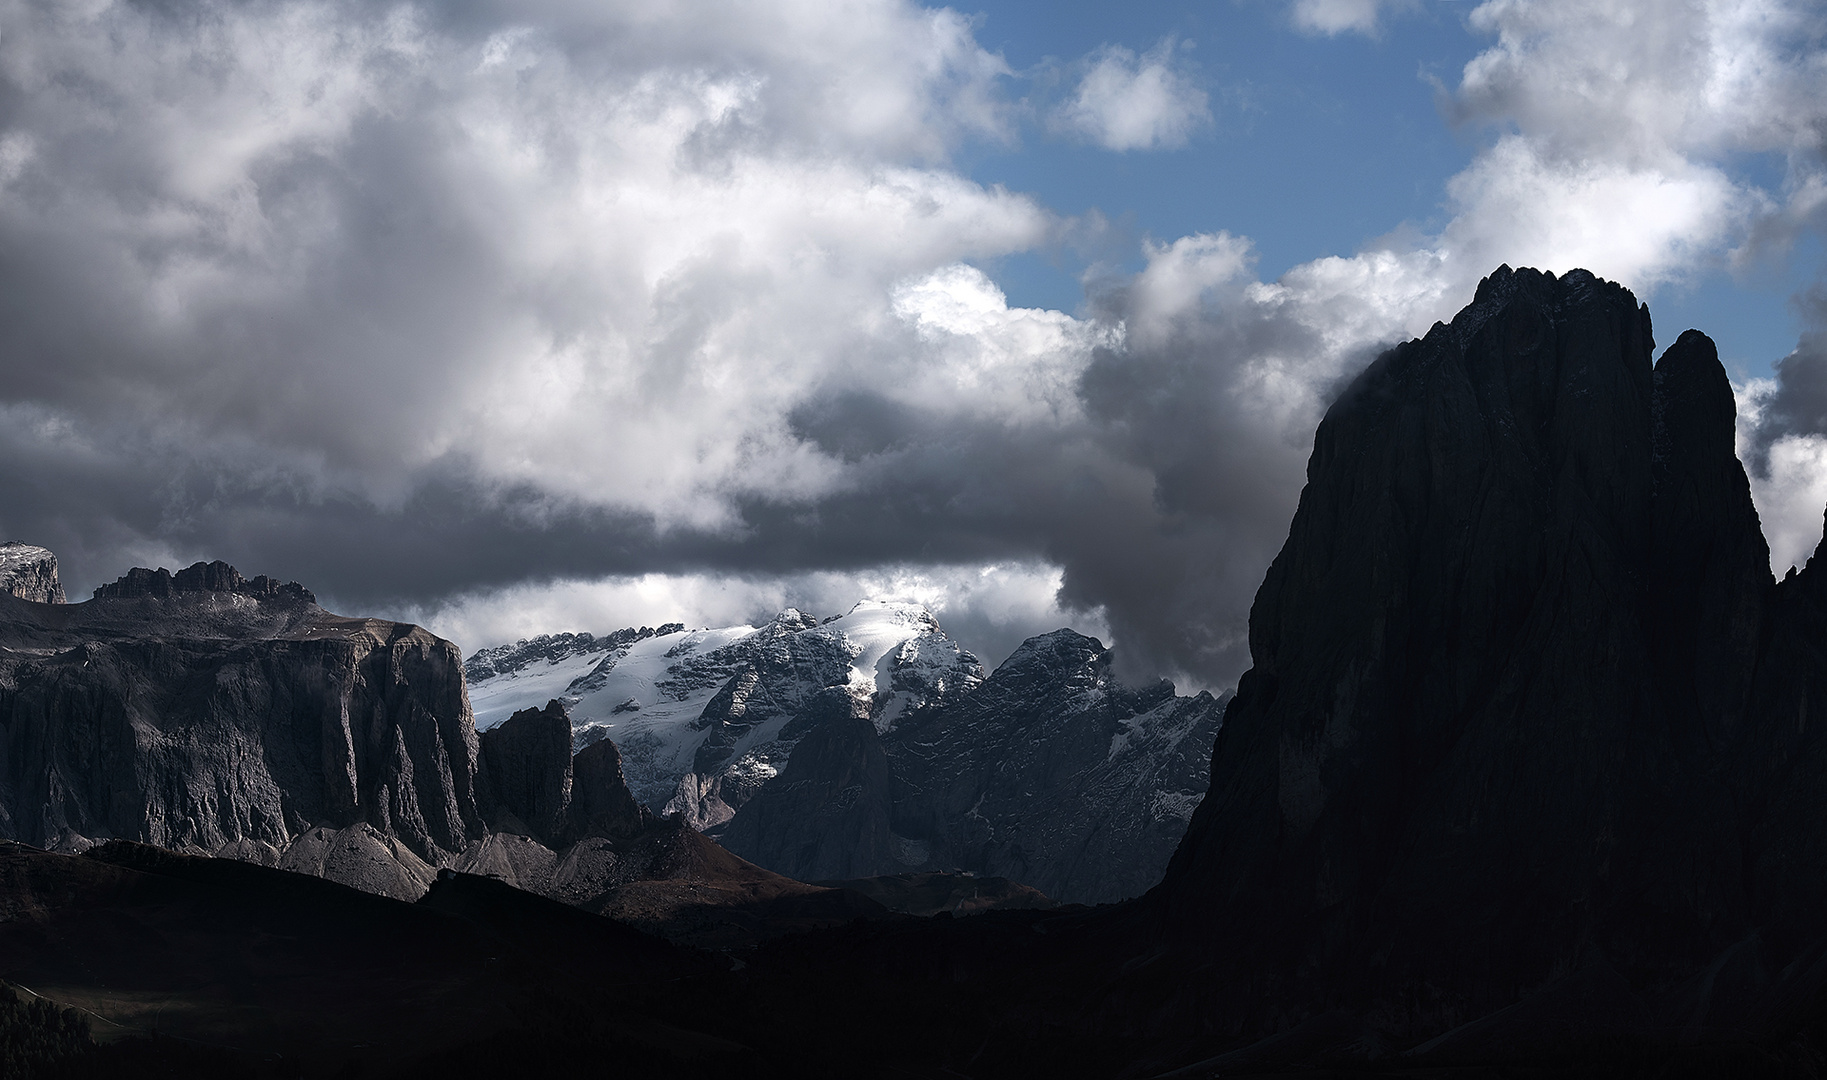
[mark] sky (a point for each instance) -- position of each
(564, 315)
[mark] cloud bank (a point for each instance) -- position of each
(499, 314)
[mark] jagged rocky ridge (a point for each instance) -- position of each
(1528, 724)
(703, 718)
(212, 577)
(870, 744)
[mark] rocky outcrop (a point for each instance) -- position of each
(1056, 774)
(827, 815)
(30, 573)
(537, 788)
(212, 577)
(601, 804)
(204, 712)
(1528, 716)
(1051, 773)
(528, 762)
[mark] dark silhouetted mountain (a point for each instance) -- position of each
(601, 804)
(1526, 707)
(214, 577)
(528, 761)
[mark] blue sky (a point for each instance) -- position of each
(522, 317)
(1319, 144)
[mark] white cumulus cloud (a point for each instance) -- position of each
(1339, 16)
(1129, 102)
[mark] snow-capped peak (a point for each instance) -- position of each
(900, 658)
(713, 705)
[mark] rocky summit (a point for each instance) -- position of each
(30, 573)
(204, 712)
(1528, 722)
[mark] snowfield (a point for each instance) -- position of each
(701, 716)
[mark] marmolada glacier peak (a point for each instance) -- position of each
(1080, 784)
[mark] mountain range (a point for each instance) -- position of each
(210, 714)
(869, 744)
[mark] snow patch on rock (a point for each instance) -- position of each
(704, 718)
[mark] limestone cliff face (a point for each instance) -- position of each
(30, 573)
(535, 787)
(228, 712)
(1525, 698)
(210, 713)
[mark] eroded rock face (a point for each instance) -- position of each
(827, 815)
(528, 761)
(1051, 773)
(30, 573)
(537, 788)
(201, 710)
(1525, 699)
(601, 804)
(212, 714)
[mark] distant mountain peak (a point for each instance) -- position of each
(199, 578)
(708, 720)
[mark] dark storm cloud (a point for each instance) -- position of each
(417, 304)
(1160, 507)
(350, 296)
(1797, 405)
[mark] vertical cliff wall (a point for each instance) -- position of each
(223, 711)
(29, 573)
(1525, 699)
